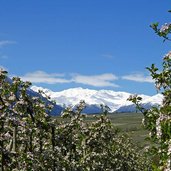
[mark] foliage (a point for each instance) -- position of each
(162, 31)
(31, 140)
(158, 119)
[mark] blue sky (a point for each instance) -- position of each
(97, 44)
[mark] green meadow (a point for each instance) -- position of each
(128, 123)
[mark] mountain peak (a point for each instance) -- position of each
(114, 100)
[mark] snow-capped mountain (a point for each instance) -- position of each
(116, 101)
(56, 110)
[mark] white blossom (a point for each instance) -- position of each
(165, 27)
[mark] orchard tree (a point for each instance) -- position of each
(32, 140)
(158, 119)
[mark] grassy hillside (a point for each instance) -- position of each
(130, 123)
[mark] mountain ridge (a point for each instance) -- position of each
(115, 100)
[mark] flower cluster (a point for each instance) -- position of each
(164, 28)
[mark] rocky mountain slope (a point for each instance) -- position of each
(116, 101)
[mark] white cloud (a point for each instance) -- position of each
(103, 80)
(43, 77)
(6, 42)
(138, 78)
